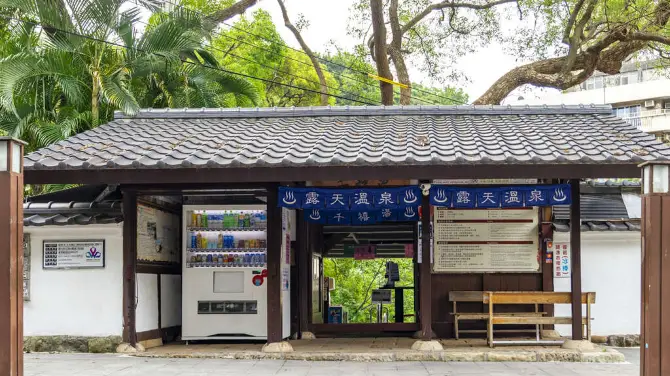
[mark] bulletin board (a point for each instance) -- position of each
(157, 235)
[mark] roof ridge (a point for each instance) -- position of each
(267, 112)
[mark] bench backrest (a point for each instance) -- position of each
(536, 297)
(466, 296)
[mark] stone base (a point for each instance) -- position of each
(583, 345)
(599, 339)
(629, 340)
(307, 335)
(126, 348)
(70, 344)
(550, 334)
(277, 347)
(427, 346)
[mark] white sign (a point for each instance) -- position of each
(73, 254)
(157, 235)
(484, 181)
(562, 267)
(481, 240)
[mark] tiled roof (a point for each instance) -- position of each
(354, 136)
(71, 213)
(599, 212)
(631, 225)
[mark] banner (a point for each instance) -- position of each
(500, 197)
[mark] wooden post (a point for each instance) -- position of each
(11, 257)
(129, 266)
(425, 296)
(655, 315)
(274, 245)
(303, 261)
(576, 260)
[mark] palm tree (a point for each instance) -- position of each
(89, 58)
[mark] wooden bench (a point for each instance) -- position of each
(492, 298)
(456, 297)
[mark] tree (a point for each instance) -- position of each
(274, 64)
(87, 57)
(580, 37)
(355, 280)
(421, 31)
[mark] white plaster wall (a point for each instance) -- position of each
(170, 300)
(610, 267)
(146, 315)
(76, 302)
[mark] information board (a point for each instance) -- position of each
(73, 254)
(157, 235)
(481, 240)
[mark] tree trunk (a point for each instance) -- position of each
(396, 55)
(308, 51)
(380, 50)
(95, 99)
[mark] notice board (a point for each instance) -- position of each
(485, 240)
(157, 235)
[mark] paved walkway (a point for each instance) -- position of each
(116, 365)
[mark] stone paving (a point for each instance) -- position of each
(386, 349)
(123, 365)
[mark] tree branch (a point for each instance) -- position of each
(308, 51)
(396, 54)
(450, 4)
(234, 10)
(380, 50)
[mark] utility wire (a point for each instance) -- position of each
(358, 96)
(182, 60)
(303, 52)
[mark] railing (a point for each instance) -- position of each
(657, 120)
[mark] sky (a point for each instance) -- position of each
(328, 21)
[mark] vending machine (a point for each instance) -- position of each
(224, 272)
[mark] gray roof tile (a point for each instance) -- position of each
(437, 135)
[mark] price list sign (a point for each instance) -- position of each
(480, 240)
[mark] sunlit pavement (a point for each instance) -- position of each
(117, 365)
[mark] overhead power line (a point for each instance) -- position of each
(303, 52)
(357, 96)
(182, 60)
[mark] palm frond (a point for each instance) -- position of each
(115, 91)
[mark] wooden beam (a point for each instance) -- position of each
(274, 249)
(425, 293)
(366, 328)
(576, 260)
(11, 267)
(303, 262)
(369, 172)
(129, 266)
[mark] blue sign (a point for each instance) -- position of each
(362, 200)
(536, 196)
(364, 217)
(315, 216)
(337, 200)
(387, 214)
(410, 196)
(440, 196)
(559, 195)
(312, 199)
(488, 198)
(387, 198)
(338, 217)
(289, 198)
(512, 198)
(408, 213)
(464, 198)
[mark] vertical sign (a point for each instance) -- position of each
(26, 267)
(561, 260)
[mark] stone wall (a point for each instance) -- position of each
(71, 344)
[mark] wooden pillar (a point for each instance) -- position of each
(274, 245)
(129, 266)
(655, 309)
(11, 257)
(304, 262)
(425, 294)
(576, 260)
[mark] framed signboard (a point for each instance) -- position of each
(486, 240)
(73, 254)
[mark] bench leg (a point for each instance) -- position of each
(456, 326)
(490, 322)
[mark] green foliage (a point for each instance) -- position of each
(355, 280)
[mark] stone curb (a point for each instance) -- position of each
(602, 356)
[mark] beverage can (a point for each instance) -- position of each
(198, 220)
(194, 219)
